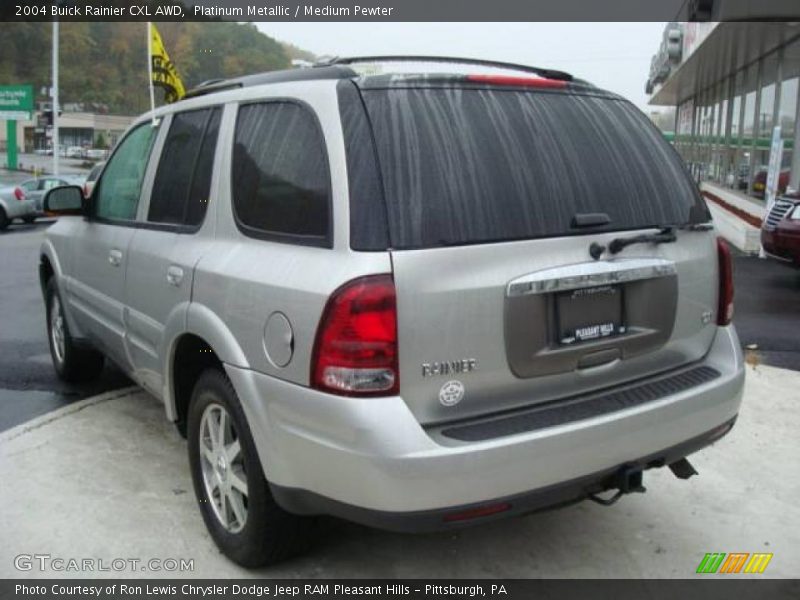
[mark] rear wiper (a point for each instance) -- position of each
(665, 236)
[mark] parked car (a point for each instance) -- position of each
(780, 232)
(28, 195)
(76, 152)
(96, 153)
(404, 307)
(15, 204)
(760, 182)
(91, 178)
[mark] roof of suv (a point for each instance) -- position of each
(340, 68)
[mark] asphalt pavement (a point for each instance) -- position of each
(28, 384)
(767, 310)
(766, 303)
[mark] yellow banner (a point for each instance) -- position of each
(165, 74)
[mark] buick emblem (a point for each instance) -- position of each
(451, 393)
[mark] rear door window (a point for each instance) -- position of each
(183, 180)
(464, 165)
(280, 179)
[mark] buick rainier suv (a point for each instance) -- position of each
(414, 300)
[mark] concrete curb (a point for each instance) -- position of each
(42, 420)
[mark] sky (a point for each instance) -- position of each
(614, 56)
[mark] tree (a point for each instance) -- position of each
(106, 63)
(100, 141)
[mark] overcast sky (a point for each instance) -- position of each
(614, 56)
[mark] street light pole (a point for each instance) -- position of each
(54, 95)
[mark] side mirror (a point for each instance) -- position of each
(65, 200)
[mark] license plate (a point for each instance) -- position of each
(589, 314)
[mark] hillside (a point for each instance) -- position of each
(105, 63)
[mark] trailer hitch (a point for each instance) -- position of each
(628, 480)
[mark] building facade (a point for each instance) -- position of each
(82, 129)
(732, 83)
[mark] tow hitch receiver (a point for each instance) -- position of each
(682, 469)
(628, 480)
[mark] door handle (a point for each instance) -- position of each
(115, 257)
(174, 275)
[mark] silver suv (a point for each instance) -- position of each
(413, 301)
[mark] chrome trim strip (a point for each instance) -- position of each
(589, 274)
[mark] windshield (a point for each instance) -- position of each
(470, 165)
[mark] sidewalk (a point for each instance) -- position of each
(108, 478)
(737, 216)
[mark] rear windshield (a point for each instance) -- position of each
(465, 166)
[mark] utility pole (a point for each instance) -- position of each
(54, 96)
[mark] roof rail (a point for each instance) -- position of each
(323, 72)
(546, 73)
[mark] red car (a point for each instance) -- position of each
(780, 232)
(760, 182)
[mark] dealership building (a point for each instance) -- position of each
(731, 84)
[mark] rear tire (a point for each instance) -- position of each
(239, 511)
(71, 362)
(4, 220)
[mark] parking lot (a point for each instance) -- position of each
(98, 472)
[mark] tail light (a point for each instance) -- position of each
(355, 352)
(19, 194)
(725, 309)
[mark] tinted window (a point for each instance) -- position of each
(183, 180)
(280, 173)
(121, 184)
(368, 227)
(465, 166)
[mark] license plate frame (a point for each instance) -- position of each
(590, 314)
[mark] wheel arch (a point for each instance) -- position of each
(205, 342)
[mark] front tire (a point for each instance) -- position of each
(239, 511)
(71, 362)
(28, 219)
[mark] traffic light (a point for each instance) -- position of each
(47, 117)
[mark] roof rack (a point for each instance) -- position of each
(546, 73)
(220, 85)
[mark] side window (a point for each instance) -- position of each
(30, 186)
(48, 184)
(183, 179)
(121, 184)
(280, 179)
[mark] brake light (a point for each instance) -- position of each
(725, 309)
(19, 194)
(537, 82)
(355, 352)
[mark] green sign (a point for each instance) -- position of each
(16, 102)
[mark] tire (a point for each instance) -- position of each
(256, 531)
(4, 220)
(72, 363)
(28, 219)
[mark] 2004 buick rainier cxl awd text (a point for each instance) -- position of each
(413, 300)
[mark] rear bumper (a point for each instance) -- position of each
(369, 460)
(16, 209)
(561, 494)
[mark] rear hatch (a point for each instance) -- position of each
(494, 196)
